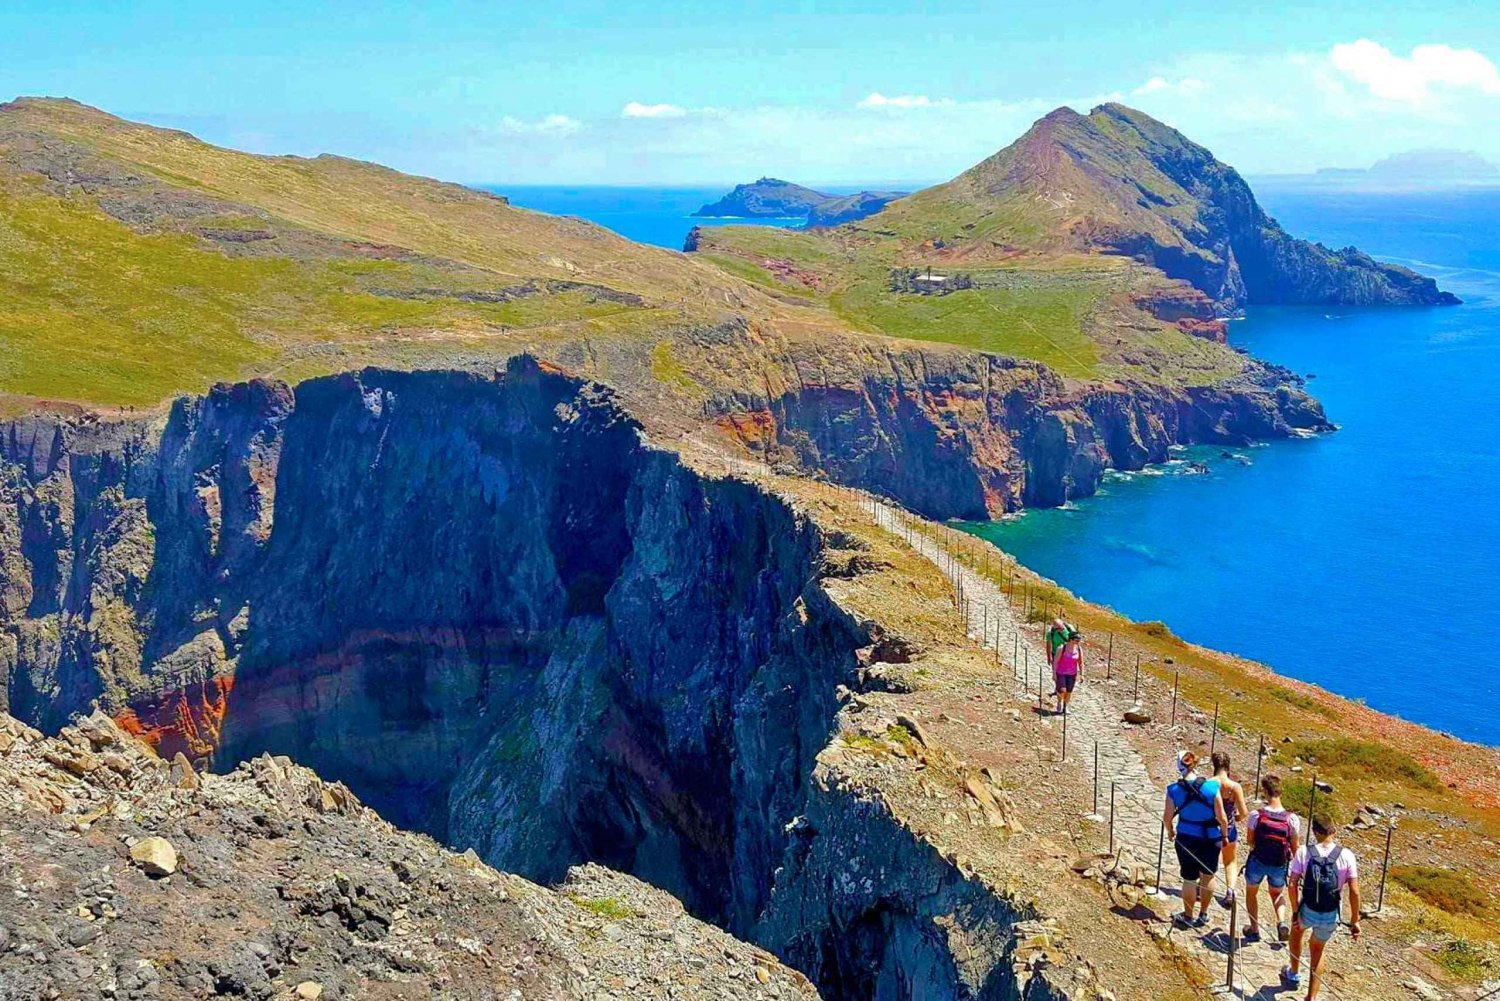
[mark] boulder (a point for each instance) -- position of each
(155, 856)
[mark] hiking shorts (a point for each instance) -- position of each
(1197, 857)
(1319, 924)
(1065, 682)
(1257, 872)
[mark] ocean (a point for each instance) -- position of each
(1367, 560)
(660, 216)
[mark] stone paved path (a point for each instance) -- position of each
(1095, 713)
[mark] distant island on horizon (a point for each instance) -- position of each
(773, 198)
(1411, 170)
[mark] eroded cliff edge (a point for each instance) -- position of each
(952, 433)
(502, 617)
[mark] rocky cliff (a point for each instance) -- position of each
(956, 434)
(136, 878)
(501, 617)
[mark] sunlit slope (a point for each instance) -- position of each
(1105, 245)
(138, 262)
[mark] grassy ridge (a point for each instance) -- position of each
(95, 311)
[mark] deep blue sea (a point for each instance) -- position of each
(1368, 560)
(661, 216)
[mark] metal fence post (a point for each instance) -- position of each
(1096, 782)
(1234, 914)
(1137, 677)
(1213, 738)
(1385, 867)
(1161, 847)
(1260, 757)
(1176, 679)
(1111, 816)
(1109, 661)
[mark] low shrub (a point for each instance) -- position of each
(1463, 960)
(1363, 759)
(1451, 892)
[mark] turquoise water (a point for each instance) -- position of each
(1367, 561)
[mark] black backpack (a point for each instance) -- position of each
(1320, 887)
(1273, 839)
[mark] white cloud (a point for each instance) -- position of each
(1263, 112)
(1414, 79)
(878, 100)
(1188, 86)
(552, 125)
(635, 109)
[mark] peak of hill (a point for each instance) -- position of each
(773, 198)
(1118, 181)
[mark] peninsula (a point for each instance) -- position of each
(338, 504)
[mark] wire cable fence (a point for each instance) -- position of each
(955, 552)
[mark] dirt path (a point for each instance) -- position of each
(1096, 713)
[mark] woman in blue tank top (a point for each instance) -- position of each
(1196, 805)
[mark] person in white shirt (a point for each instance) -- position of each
(1272, 837)
(1319, 875)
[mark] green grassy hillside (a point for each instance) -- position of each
(136, 263)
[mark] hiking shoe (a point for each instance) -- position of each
(1291, 981)
(1201, 921)
(1283, 932)
(1252, 935)
(1182, 921)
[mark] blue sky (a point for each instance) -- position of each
(631, 92)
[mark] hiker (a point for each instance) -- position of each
(1066, 667)
(1272, 836)
(1318, 876)
(1056, 636)
(1195, 803)
(1234, 806)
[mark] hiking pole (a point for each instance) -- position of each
(1111, 816)
(1385, 866)
(1213, 739)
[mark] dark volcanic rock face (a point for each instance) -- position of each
(499, 616)
(959, 435)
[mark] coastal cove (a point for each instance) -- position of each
(1363, 561)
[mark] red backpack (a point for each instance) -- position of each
(1273, 838)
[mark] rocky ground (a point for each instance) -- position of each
(129, 877)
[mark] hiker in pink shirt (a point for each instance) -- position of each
(1066, 667)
